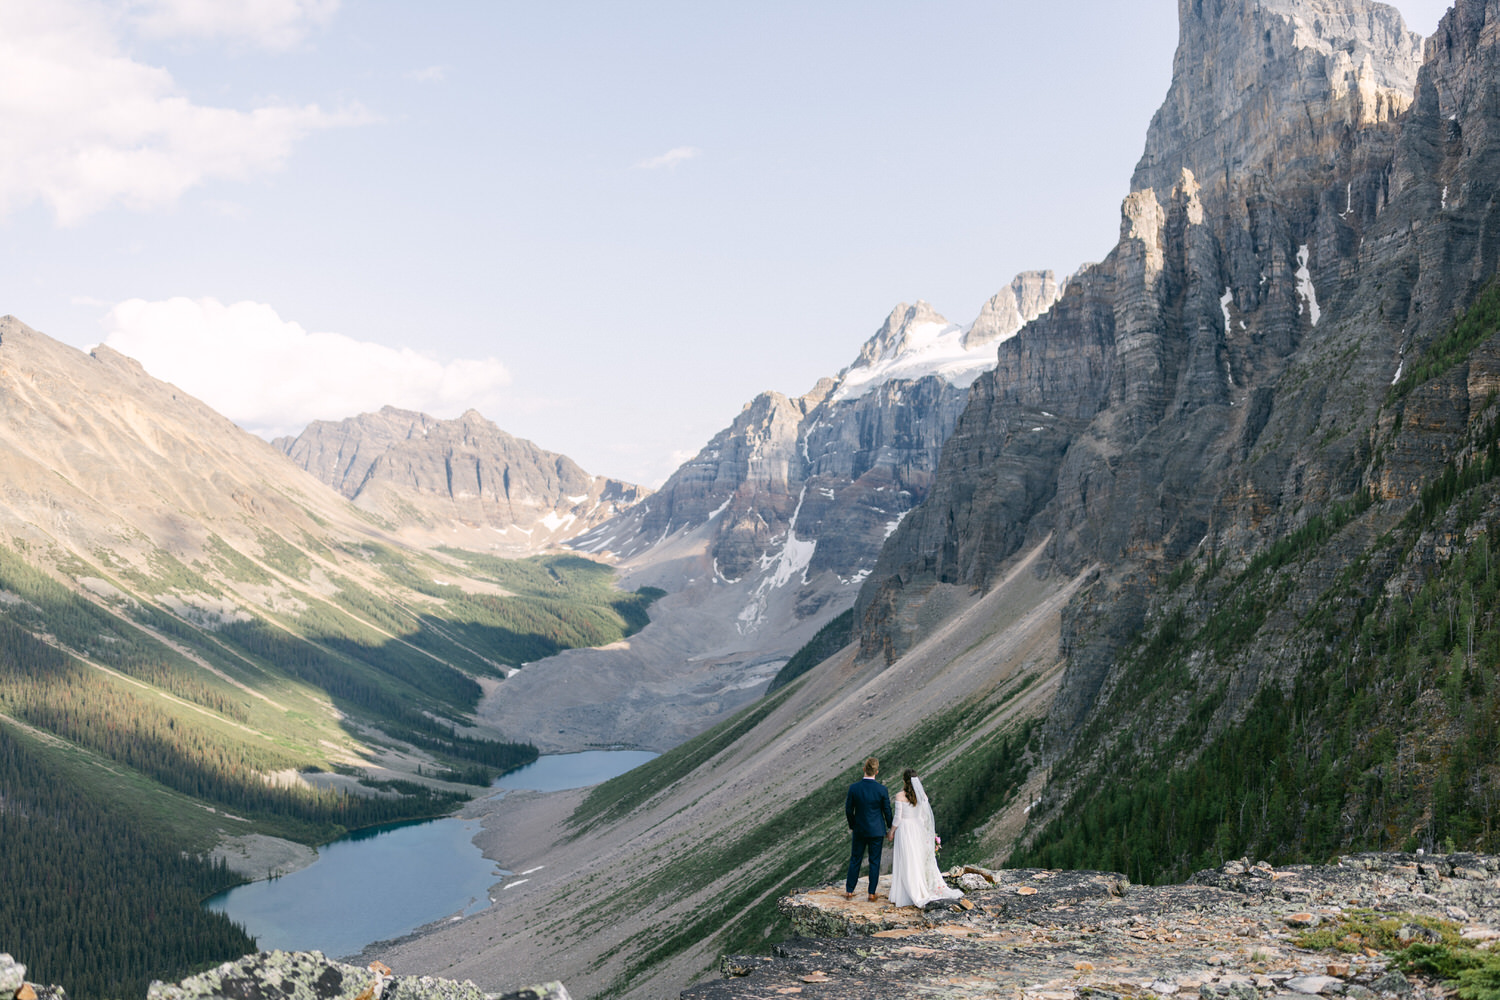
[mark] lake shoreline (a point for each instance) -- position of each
(415, 878)
(526, 834)
(259, 856)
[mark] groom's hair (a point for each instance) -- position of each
(872, 767)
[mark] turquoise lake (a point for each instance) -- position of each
(384, 882)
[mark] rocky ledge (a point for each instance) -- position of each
(1240, 932)
(289, 975)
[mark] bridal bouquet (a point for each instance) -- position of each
(937, 844)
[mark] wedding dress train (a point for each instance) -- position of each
(915, 878)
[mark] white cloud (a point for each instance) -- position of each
(670, 158)
(274, 24)
(430, 74)
(272, 377)
(86, 127)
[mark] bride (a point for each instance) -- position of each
(915, 879)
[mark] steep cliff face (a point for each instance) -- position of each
(766, 533)
(464, 480)
(1305, 215)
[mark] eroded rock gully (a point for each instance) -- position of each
(1037, 935)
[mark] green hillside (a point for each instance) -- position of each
(136, 731)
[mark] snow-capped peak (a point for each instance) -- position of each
(915, 341)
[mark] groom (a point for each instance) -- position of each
(867, 807)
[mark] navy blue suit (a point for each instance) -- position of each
(867, 807)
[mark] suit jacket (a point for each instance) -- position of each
(867, 807)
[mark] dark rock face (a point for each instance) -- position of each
(420, 471)
(1287, 243)
(1060, 935)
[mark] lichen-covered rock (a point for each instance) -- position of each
(309, 975)
(13, 984)
(12, 975)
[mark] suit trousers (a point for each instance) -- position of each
(859, 846)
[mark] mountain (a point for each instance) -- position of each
(1204, 570)
(765, 535)
(461, 482)
(1254, 393)
(202, 646)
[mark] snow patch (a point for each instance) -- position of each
(722, 507)
(891, 526)
(1305, 290)
(1399, 368)
(1224, 301)
(793, 560)
(928, 349)
(1445, 198)
(580, 498)
(553, 522)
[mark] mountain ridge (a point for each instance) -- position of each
(461, 481)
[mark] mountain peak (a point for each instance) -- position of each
(1238, 65)
(895, 335)
(916, 341)
(1029, 294)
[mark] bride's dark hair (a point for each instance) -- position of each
(911, 793)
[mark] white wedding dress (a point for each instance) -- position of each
(915, 878)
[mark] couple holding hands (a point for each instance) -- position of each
(915, 878)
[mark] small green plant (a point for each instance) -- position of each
(1444, 954)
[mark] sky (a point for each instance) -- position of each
(606, 226)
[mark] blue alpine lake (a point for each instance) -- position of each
(384, 882)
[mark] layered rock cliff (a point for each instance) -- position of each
(1129, 424)
(463, 481)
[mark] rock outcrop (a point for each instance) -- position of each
(1239, 932)
(294, 975)
(462, 482)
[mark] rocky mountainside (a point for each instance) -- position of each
(1116, 423)
(462, 482)
(766, 534)
(1273, 354)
